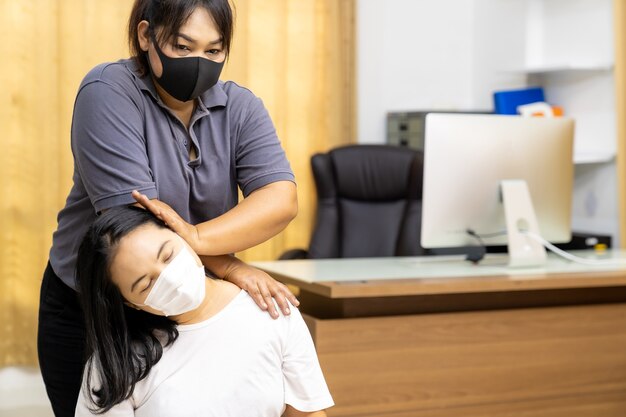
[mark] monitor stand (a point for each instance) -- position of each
(520, 216)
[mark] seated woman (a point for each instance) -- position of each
(165, 340)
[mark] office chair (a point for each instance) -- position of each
(369, 203)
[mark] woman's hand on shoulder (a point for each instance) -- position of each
(168, 215)
(261, 287)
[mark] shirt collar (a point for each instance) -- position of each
(213, 97)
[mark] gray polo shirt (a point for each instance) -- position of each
(124, 138)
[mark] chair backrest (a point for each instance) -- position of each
(369, 202)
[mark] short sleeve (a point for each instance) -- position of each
(260, 158)
(84, 404)
(109, 146)
(305, 387)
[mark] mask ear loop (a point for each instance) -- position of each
(152, 37)
(157, 47)
(152, 40)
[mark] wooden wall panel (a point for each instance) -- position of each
(28, 167)
(619, 22)
(298, 56)
(52, 44)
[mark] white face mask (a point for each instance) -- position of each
(180, 287)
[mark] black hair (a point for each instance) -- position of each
(123, 343)
(168, 16)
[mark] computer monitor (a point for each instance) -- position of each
(476, 167)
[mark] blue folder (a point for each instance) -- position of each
(506, 102)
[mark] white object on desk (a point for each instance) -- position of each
(541, 107)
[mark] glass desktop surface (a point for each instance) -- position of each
(431, 267)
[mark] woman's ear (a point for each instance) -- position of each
(142, 34)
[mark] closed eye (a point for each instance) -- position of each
(167, 260)
(159, 253)
(147, 286)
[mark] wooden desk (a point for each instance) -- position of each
(400, 337)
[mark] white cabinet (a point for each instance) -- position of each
(568, 50)
(588, 95)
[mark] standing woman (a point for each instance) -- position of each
(161, 130)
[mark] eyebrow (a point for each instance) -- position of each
(132, 288)
(192, 40)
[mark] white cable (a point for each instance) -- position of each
(569, 256)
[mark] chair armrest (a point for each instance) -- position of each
(294, 254)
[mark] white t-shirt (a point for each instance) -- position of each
(240, 362)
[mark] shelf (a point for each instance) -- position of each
(548, 69)
(593, 157)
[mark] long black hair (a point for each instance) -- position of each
(122, 343)
(169, 16)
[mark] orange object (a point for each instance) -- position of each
(557, 111)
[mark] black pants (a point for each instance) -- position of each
(60, 343)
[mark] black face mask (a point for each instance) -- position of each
(186, 78)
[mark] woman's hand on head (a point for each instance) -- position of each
(165, 213)
(262, 288)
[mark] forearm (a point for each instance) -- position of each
(221, 266)
(260, 216)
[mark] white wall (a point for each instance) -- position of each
(412, 54)
(498, 45)
(22, 393)
(433, 54)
